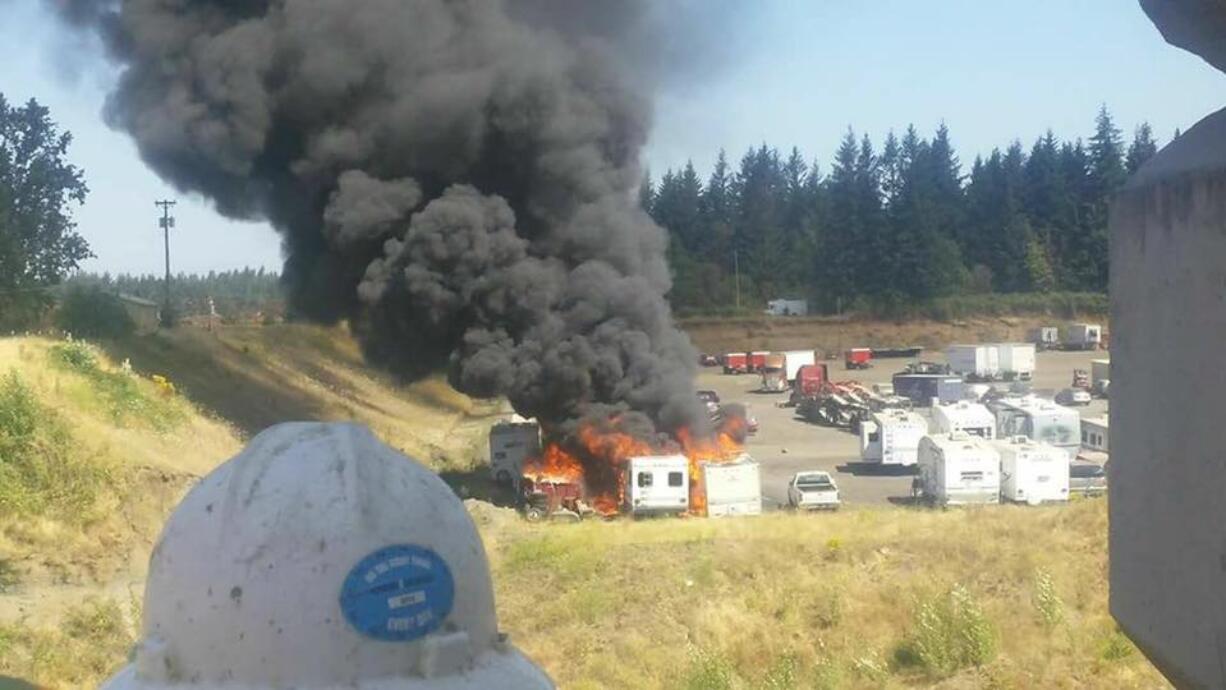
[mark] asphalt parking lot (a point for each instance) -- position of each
(786, 444)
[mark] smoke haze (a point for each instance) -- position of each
(454, 177)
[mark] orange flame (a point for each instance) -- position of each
(598, 453)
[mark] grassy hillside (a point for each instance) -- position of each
(92, 457)
(1005, 597)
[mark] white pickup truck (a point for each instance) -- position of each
(814, 490)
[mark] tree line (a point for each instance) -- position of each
(890, 227)
(232, 294)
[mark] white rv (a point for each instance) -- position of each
(511, 444)
(958, 469)
(1039, 420)
(973, 418)
(732, 488)
(787, 307)
(1016, 361)
(891, 437)
(657, 484)
(1032, 473)
(974, 362)
(1094, 434)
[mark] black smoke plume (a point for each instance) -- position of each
(454, 177)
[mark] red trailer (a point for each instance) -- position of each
(858, 358)
(757, 360)
(736, 363)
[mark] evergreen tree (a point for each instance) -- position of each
(1142, 149)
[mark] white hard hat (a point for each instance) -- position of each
(321, 558)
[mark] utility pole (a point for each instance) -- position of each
(166, 222)
(736, 266)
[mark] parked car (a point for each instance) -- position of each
(1073, 396)
(708, 360)
(1087, 478)
(813, 490)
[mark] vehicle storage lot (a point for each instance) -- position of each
(786, 444)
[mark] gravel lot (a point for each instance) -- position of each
(786, 444)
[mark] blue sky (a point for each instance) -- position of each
(795, 73)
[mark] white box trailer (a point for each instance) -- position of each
(732, 488)
(1031, 472)
(958, 469)
(1083, 336)
(793, 360)
(1094, 434)
(1016, 361)
(891, 437)
(970, 417)
(974, 362)
(1044, 337)
(511, 444)
(1039, 420)
(657, 484)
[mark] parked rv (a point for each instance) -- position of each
(511, 444)
(1083, 336)
(732, 488)
(1031, 472)
(1044, 337)
(787, 307)
(1038, 420)
(858, 358)
(957, 469)
(891, 437)
(813, 490)
(657, 485)
(922, 389)
(736, 363)
(1094, 434)
(969, 417)
(974, 362)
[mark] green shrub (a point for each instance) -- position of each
(1115, 647)
(120, 393)
(950, 632)
(709, 670)
(40, 472)
(784, 674)
(1046, 599)
(92, 313)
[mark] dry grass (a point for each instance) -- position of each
(1002, 597)
(90, 643)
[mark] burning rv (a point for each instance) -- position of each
(1031, 472)
(891, 437)
(958, 469)
(657, 485)
(512, 443)
(973, 418)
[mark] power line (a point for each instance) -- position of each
(166, 222)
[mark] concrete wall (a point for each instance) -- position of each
(1168, 408)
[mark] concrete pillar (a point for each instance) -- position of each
(1168, 407)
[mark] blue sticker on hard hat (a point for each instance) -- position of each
(398, 593)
